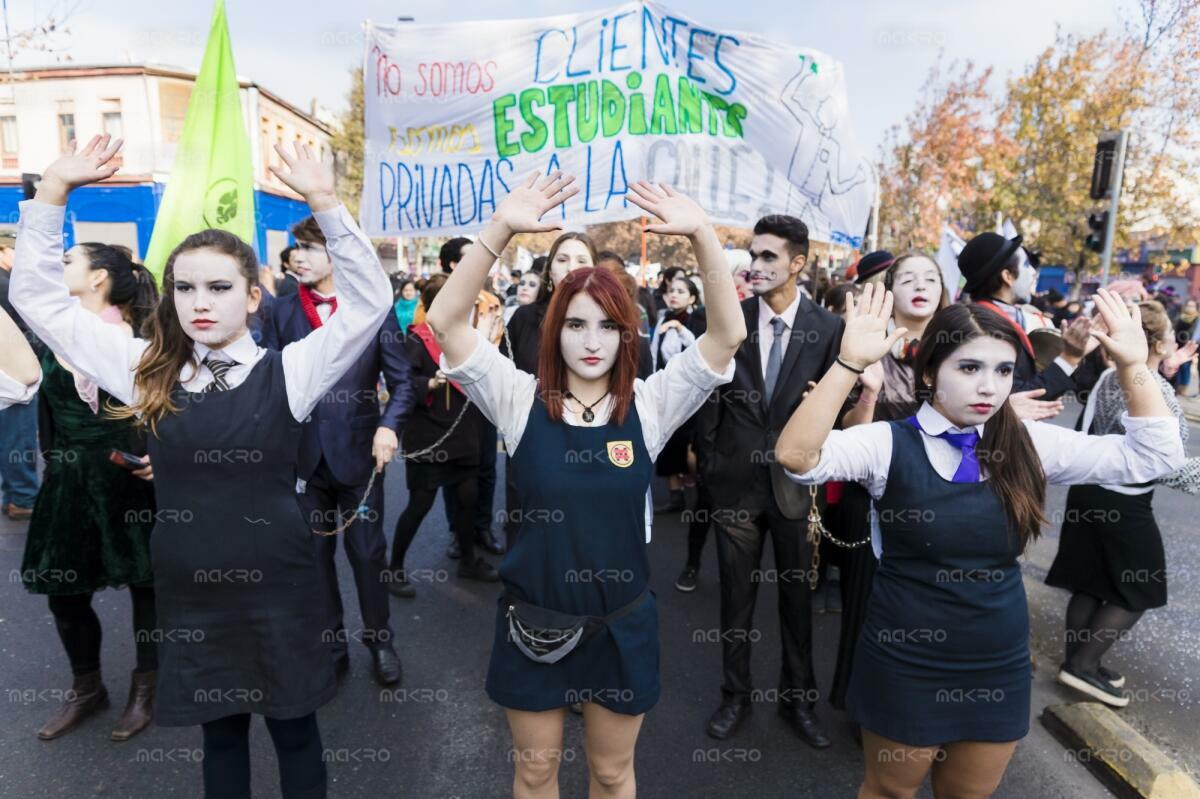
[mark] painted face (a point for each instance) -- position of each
(527, 288)
(409, 291)
(310, 263)
(678, 296)
(78, 273)
(572, 254)
(974, 381)
(589, 339)
(1026, 280)
(769, 264)
(211, 297)
(917, 287)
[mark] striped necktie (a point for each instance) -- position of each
(219, 369)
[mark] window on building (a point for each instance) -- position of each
(66, 130)
(113, 126)
(8, 142)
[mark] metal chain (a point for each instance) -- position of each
(817, 531)
(362, 508)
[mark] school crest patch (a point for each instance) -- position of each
(620, 453)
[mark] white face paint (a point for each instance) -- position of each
(589, 339)
(314, 266)
(678, 296)
(975, 381)
(917, 288)
(572, 254)
(211, 297)
(1026, 280)
(78, 274)
(527, 288)
(769, 264)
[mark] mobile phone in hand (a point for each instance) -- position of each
(127, 460)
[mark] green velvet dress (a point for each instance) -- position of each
(92, 519)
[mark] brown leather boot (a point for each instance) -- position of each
(87, 695)
(139, 710)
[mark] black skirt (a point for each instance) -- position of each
(1111, 549)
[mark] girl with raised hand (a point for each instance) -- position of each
(91, 521)
(233, 560)
(577, 622)
(941, 677)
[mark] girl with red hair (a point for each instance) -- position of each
(577, 621)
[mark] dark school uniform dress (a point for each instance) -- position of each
(236, 576)
(581, 550)
(944, 651)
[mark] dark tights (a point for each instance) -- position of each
(1092, 627)
(79, 629)
(297, 747)
(420, 500)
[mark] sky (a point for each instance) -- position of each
(300, 49)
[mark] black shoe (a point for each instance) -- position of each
(728, 719)
(387, 665)
(479, 570)
(399, 585)
(487, 541)
(1111, 677)
(806, 724)
(674, 505)
(452, 551)
(687, 580)
(1093, 685)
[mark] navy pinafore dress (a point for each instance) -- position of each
(581, 549)
(240, 609)
(943, 655)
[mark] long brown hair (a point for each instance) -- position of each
(1005, 451)
(170, 347)
(547, 287)
(602, 286)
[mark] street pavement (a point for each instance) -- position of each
(439, 736)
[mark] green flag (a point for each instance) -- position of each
(212, 181)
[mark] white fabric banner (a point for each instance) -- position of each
(457, 113)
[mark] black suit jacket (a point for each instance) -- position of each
(342, 426)
(738, 428)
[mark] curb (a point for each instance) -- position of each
(1121, 757)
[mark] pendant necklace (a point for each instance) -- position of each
(587, 414)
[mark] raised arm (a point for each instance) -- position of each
(98, 350)
(681, 216)
(520, 212)
(1126, 345)
(864, 342)
(312, 365)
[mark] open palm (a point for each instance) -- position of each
(91, 164)
(680, 214)
(865, 339)
(1125, 342)
(522, 210)
(305, 173)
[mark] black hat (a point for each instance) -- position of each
(984, 256)
(872, 264)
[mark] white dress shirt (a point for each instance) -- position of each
(1150, 448)
(107, 355)
(664, 401)
(766, 334)
(324, 309)
(14, 392)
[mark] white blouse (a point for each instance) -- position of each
(664, 401)
(1150, 448)
(109, 356)
(14, 392)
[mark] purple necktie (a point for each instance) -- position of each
(968, 468)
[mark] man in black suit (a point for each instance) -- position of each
(791, 341)
(343, 440)
(287, 286)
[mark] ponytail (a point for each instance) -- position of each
(131, 287)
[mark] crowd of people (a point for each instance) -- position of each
(875, 423)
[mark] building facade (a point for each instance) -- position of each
(41, 109)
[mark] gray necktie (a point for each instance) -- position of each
(219, 369)
(775, 356)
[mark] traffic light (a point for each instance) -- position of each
(1098, 225)
(1102, 166)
